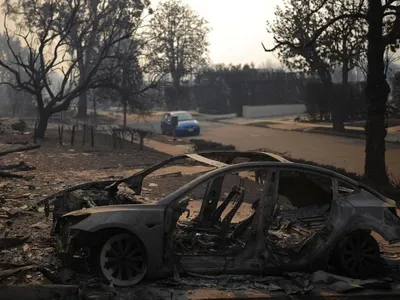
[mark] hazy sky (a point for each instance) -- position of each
(238, 28)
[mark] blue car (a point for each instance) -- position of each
(187, 125)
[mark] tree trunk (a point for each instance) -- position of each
(377, 91)
(12, 100)
(125, 110)
(175, 99)
(94, 110)
(337, 110)
(85, 54)
(326, 80)
(41, 128)
(82, 106)
(343, 97)
(345, 73)
(337, 118)
(82, 103)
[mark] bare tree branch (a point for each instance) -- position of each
(317, 33)
(46, 28)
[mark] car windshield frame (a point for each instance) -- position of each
(183, 114)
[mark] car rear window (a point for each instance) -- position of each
(183, 116)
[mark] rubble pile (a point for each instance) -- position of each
(293, 283)
(12, 124)
(293, 227)
(93, 197)
(191, 239)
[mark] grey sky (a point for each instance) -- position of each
(239, 27)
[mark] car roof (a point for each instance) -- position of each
(175, 112)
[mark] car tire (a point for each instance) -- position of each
(357, 255)
(123, 260)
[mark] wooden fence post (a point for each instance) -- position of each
(84, 134)
(34, 133)
(114, 138)
(60, 133)
(92, 134)
(73, 135)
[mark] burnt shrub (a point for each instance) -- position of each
(19, 126)
(203, 145)
(352, 97)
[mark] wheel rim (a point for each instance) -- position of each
(123, 260)
(359, 255)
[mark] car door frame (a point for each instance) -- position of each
(317, 249)
(165, 126)
(245, 260)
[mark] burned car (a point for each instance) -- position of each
(297, 218)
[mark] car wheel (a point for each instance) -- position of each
(358, 255)
(123, 260)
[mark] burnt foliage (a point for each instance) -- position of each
(319, 107)
(203, 145)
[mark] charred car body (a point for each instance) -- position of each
(298, 218)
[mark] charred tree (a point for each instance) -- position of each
(179, 42)
(383, 24)
(377, 92)
(46, 29)
(302, 45)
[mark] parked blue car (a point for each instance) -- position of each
(187, 125)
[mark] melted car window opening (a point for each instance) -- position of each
(234, 208)
(304, 189)
(312, 209)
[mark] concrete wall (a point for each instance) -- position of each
(273, 110)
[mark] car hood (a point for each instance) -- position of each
(187, 123)
(114, 208)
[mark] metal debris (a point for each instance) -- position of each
(342, 284)
(9, 272)
(40, 225)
